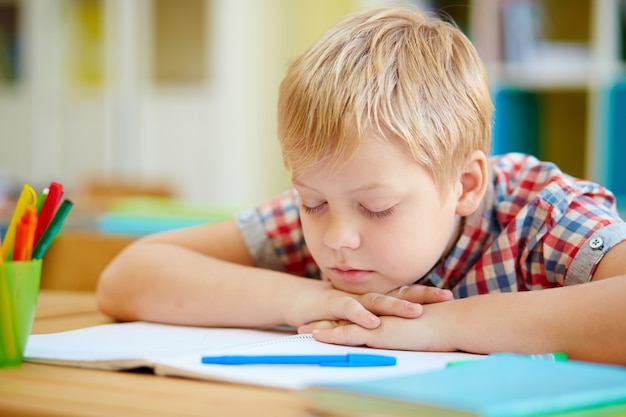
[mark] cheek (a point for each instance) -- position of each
(401, 248)
(391, 246)
(312, 232)
(413, 245)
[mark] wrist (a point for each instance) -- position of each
(301, 300)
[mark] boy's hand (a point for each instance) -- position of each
(323, 302)
(393, 333)
(364, 309)
(422, 294)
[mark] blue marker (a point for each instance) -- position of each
(349, 360)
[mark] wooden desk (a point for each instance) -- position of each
(45, 390)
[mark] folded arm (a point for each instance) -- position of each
(205, 276)
(586, 321)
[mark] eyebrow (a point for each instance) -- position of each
(365, 187)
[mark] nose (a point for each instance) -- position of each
(342, 233)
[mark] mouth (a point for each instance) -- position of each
(348, 274)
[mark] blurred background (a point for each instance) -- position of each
(179, 96)
(161, 94)
(157, 114)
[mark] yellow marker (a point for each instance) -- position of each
(27, 197)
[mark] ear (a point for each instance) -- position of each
(474, 180)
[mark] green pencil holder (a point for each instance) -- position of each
(19, 288)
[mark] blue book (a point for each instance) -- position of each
(501, 385)
(516, 122)
(616, 140)
(139, 216)
(145, 224)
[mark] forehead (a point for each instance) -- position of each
(375, 163)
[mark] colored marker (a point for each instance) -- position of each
(555, 357)
(349, 360)
(26, 198)
(40, 199)
(51, 231)
(49, 207)
(25, 235)
(552, 357)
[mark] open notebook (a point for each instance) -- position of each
(177, 351)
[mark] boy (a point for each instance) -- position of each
(419, 241)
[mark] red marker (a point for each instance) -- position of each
(25, 235)
(49, 207)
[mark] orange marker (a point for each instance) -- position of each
(25, 235)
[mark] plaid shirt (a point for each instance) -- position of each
(536, 228)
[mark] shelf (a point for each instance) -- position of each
(550, 65)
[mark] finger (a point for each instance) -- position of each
(349, 335)
(318, 325)
(348, 308)
(385, 305)
(422, 294)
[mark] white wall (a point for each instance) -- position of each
(214, 141)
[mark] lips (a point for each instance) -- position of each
(348, 274)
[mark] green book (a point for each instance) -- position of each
(501, 385)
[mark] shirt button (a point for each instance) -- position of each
(596, 243)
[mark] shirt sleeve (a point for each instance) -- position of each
(273, 234)
(260, 247)
(582, 228)
(592, 251)
(551, 223)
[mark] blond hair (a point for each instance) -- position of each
(395, 72)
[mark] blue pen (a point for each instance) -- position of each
(349, 360)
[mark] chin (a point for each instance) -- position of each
(348, 287)
(354, 288)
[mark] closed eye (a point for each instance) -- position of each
(378, 214)
(313, 210)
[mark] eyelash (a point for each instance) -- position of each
(312, 210)
(378, 214)
(370, 214)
